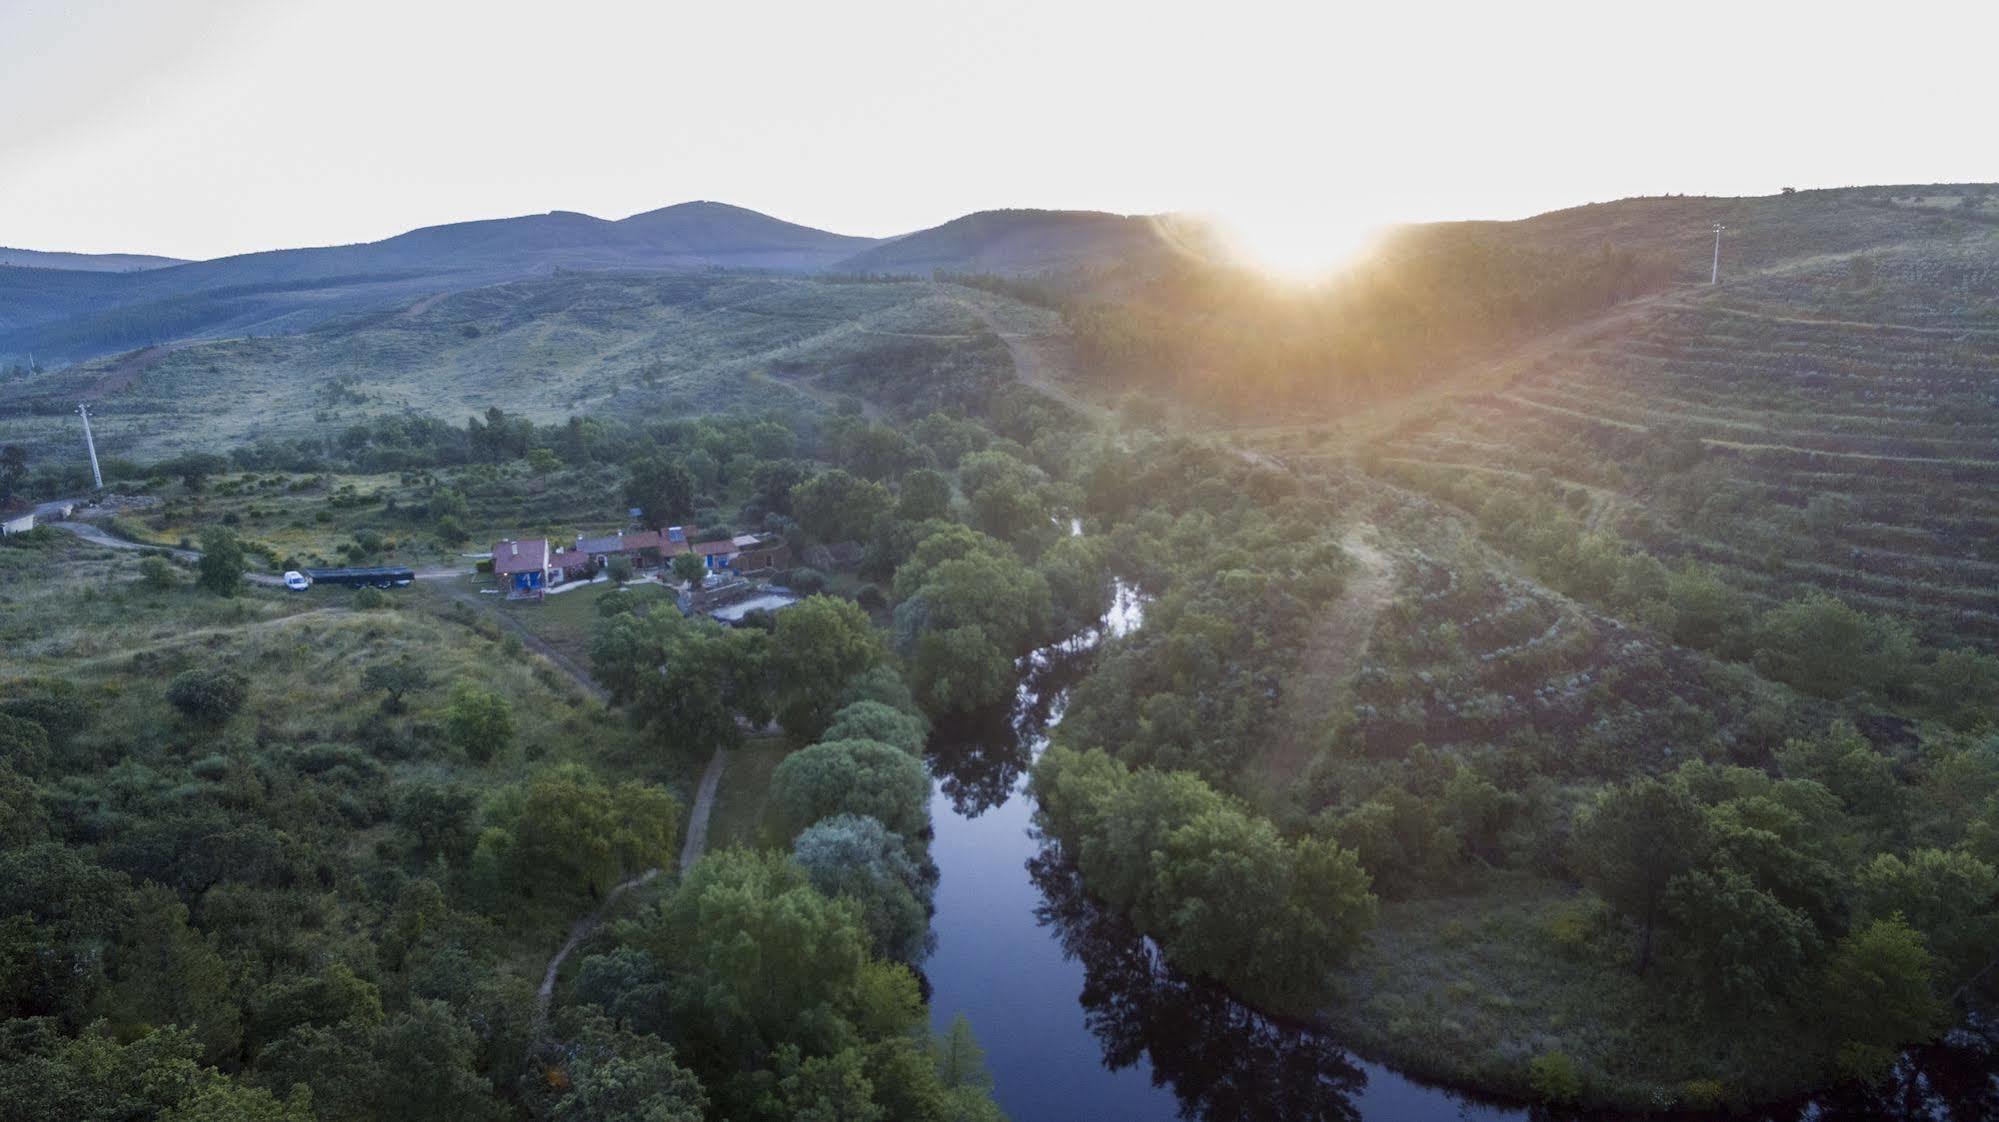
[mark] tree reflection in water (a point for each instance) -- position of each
(1955, 1079)
(1223, 1060)
(981, 758)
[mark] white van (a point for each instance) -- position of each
(297, 581)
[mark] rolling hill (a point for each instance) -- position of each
(1021, 242)
(81, 315)
(611, 344)
(86, 262)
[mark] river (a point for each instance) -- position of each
(1081, 1018)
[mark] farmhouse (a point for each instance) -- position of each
(527, 568)
(522, 568)
(16, 518)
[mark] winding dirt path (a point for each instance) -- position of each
(704, 805)
(585, 926)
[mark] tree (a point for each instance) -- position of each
(820, 643)
(863, 777)
(1848, 766)
(1746, 949)
(222, 562)
(835, 506)
(875, 720)
(772, 482)
(1876, 997)
(620, 1077)
(223, 1100)
(420, 1065)
(210, 696)
(1950, 897)
(627, 984)
(689, 569)
(324, 997)
(93, 1076)
(855, 857)
(396, 678)
(1630, 845)
(662, 490)
(689, 679)
(1822, 646)
(163, 972)
(804, 984)
(543, 462)
(925, 494)
(478, 722)
(13, 471)
(572, 831)
(620, 569)
(960, 670)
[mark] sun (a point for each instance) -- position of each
(1299, 244)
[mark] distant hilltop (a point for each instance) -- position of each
(65, 306)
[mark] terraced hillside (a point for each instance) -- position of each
(1831, 424)
(612, 345)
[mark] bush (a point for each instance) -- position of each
(479, 723)
(157, 573)
(222, 562)
(804, 581)
(1554, 1077)
(211, 696)
(372, 599)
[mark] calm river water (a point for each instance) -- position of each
(1081, 1018)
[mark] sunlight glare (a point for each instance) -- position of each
(1302, 244)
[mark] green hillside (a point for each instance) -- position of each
(611, 345)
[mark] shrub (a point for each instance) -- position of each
(212, 696)
(479, 723)
(873, 720)
(157, 573)
(372, 599)
(1554, 1077)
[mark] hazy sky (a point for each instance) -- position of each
(203, 128)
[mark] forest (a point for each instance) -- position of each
(1453, 740)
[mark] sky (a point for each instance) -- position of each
(198, 128)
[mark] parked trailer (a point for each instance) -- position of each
(383, 576)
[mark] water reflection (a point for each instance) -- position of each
(1048, 977)
(1223, 1061)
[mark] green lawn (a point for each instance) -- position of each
(738, 817)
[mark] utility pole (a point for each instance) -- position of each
(1714, 277)
(91, 443)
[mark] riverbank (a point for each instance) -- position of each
(1477, 990)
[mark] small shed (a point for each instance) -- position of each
(16, 518)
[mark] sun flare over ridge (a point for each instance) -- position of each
(1303, 244)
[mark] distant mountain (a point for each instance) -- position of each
(1023, 242)
(73, 315)
(84, 262)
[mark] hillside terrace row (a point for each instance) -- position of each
(526, 568)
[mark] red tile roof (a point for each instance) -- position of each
(529, 556)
